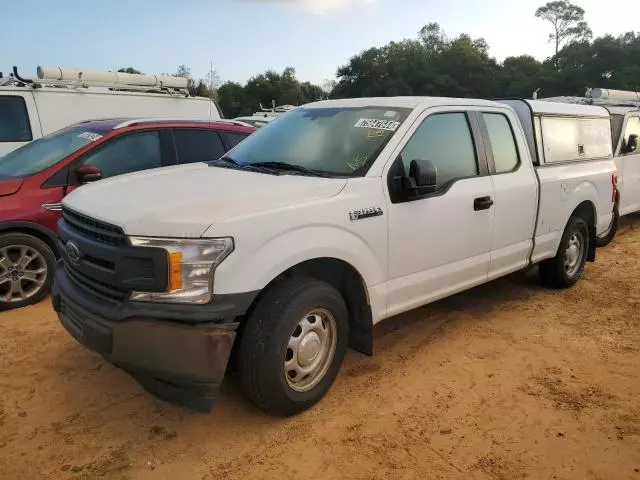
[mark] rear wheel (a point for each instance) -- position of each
(293, 345)
(566, 268)
(604, 239)
(26, 270)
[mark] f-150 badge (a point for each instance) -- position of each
(365, 213)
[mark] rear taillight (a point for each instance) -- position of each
(614, 186)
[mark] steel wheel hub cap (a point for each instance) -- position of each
(310, 350)
(574, 253)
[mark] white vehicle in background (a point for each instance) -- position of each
(265, 116)
(624, 108)
(33, 107)
(309, 232)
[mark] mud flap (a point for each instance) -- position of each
(591, 254)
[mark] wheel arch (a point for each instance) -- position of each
(33, 229)
(587, 211)
(348, 281)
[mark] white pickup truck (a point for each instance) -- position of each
(328, 220)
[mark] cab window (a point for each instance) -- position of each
(14, 120)
(503, 144)
(445, 139)
(632, 128)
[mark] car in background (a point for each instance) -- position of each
(33, 107)
(36, 177)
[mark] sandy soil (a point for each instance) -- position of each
(506, 381)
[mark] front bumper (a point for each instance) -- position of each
(179, 362)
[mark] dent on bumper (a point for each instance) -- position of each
(178, 362)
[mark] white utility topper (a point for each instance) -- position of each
(33, 107)
(624, 110)
(340, 214)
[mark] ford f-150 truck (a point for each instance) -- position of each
(334, 217)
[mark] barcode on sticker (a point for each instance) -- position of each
(390, 125)
(90, 136)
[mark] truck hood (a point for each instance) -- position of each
(185, 201)
(9, 187)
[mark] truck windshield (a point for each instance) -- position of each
(329, 141)
(45, 152)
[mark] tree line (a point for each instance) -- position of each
(434, 64)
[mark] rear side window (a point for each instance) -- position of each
(234, 139)
(197, 145)
(444, 139)
(14, 120)
(503, 145)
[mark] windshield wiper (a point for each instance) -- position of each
(228, 162)
(284, 167)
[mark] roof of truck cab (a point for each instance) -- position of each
(401, 102)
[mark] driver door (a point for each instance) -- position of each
(440, 243)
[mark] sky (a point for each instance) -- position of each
(246, 37)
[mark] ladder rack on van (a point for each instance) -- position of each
(117, 81)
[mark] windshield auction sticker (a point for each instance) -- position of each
(92, 137)
(390, 125)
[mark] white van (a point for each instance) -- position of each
(33, 107)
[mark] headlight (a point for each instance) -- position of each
(191, 266)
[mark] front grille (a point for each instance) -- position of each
(95, 229)
(100, 289)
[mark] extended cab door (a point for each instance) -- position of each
(439, 243)
(19, 122)
(629, 163)
(515, 189)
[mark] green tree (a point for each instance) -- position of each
(429, 65)
(130, 70)
(233, 100)
(567, 21)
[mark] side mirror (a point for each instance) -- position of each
(423, 174)
(88, 173)
(632, 144)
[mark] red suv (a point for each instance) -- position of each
(35, 178)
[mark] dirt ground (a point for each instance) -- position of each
(506, 381)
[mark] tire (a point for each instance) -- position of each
(265, 345)
(567, 267)
(34, 277)
(605, 239)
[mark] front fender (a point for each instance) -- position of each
(250, 269)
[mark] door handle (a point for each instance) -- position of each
(482, 203)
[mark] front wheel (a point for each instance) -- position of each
(293, 345)
(566, 268)
(605, 239)
(26, 270)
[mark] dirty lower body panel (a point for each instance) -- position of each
(181, 363)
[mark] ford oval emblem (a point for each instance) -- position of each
(73, 252)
